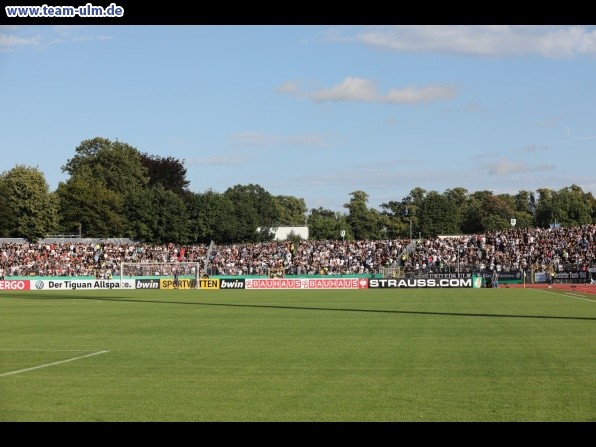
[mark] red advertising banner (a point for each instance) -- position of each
(15, 284)
(314, 283)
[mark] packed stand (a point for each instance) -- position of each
(513, 249)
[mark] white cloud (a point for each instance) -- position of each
(412, 95)
(503, 167)
(13, 38)
(12, 41)
(90, 38)
(66, 29)
(350, 89)
(506, 167)
(480, 40)
(365, 90)
(288, 88)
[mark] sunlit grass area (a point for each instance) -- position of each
(243, 355)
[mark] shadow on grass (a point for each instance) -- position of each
(40, 296)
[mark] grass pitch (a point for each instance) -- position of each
(241, 355)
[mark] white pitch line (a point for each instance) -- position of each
(51, 364)
(566, 294)
(578, 296)
(45, 350)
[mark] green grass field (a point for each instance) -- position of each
(359, 355)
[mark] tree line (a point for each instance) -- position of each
(114, 190)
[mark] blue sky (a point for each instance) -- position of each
(311, 111)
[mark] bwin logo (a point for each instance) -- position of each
(147, 285)
(232, 284)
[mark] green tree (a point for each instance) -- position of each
(210, 214)
(525, 202)
(458, 196)
(85, 202)
(569, 206)
(255, 213)
(366, 223)
(577, 204)
(117, 165)
(493, 222)
(591, 201)
(166, 171)
(28, 208)
(361, 219)
(524, 207)
(545, 210)
(438, 215)
(397, 219)
(291, 211)
(502, 205)
(158, 215)
(411, 204)
(8, 210)
(475, 212)
(489, 212)
(324, 224)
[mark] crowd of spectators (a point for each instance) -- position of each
(513, 249)
(550, 249)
